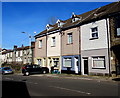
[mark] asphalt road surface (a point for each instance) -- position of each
(18, 86)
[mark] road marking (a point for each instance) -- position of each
(31, 82)
(72, 90)
(78, 78)
(51, 75)
(37, 75)
(9, 78)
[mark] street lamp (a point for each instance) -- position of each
(30, 40)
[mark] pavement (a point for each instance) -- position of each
(84, 77)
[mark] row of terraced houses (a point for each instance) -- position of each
(87, 44)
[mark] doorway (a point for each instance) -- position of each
(85, 63)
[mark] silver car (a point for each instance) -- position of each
(7, 70)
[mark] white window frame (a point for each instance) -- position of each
(69, 59)
(39, 62)
(53, 41)
(21, 53)
(98, 59)
(70, 38)
(40, 43)
(11, 54)
(95, 32)
(16, 53)
(118, 31)
(8, 55)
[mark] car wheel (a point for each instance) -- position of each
(27, 73)
(44, 72)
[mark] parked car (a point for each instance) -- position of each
(7, 70)
(34, 69)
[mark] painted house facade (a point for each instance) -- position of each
(86, 44)
(41, 49)
(98, 36)
(94, 48)
(71, 50)
(54, 51)
(19, 55)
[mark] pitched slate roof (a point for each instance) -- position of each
(7, 51)
(97, 13)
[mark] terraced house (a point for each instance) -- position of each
(48, 47)
(97, 30)
(19, 55)
(41, 49)
(87, 44)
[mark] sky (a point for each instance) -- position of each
(30, 17)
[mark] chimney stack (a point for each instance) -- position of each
(15, 46)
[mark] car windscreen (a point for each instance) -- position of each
(7, 68)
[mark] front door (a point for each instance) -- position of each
(85, 61)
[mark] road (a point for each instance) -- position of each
(47, 85)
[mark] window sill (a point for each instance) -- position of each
(93, 38)
(69, 44)
(52, 46)
(98, 68)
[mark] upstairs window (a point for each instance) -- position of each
(25, 52)
(69, 37)
(118, 32)
(94, 33)
(11, 54)
(21, 53)
(40, 44)
(118, 26)
(16, 53)
(53, 42)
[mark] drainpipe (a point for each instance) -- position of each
(79, 48)
(46, 52)
(60, 50)
(108, 40)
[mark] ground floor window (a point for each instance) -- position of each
(39, 62)
(67, 62)
(98, 62)
(55, 62)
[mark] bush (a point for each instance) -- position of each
(15, 66)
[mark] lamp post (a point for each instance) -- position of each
(30, 40)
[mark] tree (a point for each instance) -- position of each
(52, 20)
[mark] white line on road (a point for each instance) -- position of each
(71, 90)
(78, 78)
(37, 75)
(9, 78)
